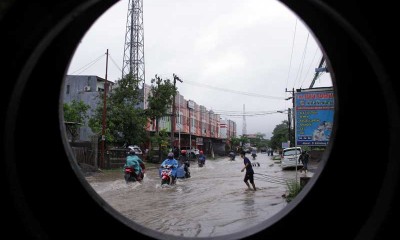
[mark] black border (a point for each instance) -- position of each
(357, 190)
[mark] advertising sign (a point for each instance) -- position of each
(314, 117)
(190, 104)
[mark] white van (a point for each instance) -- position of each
(290, 158)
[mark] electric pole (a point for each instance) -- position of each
(294, 124)
(176, 78)
(103, 130)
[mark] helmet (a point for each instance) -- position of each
(170, 155)
(201, 152)
(183, 152)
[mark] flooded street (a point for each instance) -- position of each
(213, 202)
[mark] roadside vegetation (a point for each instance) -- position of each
(294, 188)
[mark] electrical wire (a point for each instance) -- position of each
(234, 91)
(88, 65)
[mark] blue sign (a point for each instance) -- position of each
(314, 117)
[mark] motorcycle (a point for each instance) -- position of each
(232, 156)
(131, 176)
(183, 170)
(201, 161)
(165, 175)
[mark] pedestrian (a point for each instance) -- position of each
(304, 157)
(249, 176)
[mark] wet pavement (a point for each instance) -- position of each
(213, 202)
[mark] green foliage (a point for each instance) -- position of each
(161, 97)
(279, 135)
(293, 189)
(259, 141)
(235, 142)
(125, 122)
(160, 138)
(76, 112)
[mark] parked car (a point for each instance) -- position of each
(135, 148)
(192, 152)
(290, 158)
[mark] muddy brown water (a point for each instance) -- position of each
(213, 202)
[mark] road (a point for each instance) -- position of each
(213, 202)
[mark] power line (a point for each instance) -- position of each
(309, 67)
(300, 70)
(234, 91)
(87, 66)
(291, 55)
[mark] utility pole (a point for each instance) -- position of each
(103, 130)
(292, 143)
(289, 122)
(294, 120)
(180, 122)
(173, 112)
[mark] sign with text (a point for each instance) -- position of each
(314, 117)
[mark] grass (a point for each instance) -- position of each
(293, 189)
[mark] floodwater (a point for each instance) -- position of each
(213, 202)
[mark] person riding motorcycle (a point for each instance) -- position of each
(202, 158)
(185, 161)
(254, 153)
(171, 162)
(232, 155)
(132, 160)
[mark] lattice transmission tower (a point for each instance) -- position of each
(133, 62)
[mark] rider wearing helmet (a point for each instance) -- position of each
(185, 161)
(171, 161)
(183, 157)
(202, 157)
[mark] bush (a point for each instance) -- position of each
(293, 189)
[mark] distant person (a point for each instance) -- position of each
(185, 162)
(176, 152)
(304, 158)
(202, 158)
(249, 176)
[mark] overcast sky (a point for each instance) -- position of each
(229, 54)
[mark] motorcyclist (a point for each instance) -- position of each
(254, 153)
(173, 163)
(202, 158)
(132, 160)
(232, 155)
(185, 161)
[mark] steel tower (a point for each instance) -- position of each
(133, 62)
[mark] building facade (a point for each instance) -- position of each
(194, 124)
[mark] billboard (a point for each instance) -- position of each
(313, 117)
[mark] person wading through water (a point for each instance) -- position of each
(249, 176)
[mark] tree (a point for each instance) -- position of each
(75, 113)
(279, 135)
(160, 99)
(235, 142)
(125, 121)
(159, 102)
